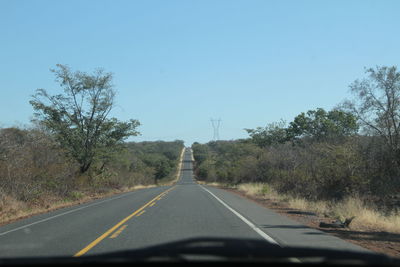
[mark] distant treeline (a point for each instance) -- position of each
(352, 150)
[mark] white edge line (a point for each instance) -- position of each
(64, 213)
(252, 226)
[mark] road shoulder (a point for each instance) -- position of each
(373, 240)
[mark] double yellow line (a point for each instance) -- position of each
(112, 229)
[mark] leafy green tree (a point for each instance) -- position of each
(79, 118)
(200, 152)
(160, 163)
(323, 126)
(273, 133)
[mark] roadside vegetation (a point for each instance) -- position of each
(73, 151)
(339, 163)
(37, 175)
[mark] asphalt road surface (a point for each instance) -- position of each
(154, 216)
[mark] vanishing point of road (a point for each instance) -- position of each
(154, 216)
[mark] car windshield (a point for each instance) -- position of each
(258, 130)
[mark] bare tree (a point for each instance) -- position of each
(377, 105)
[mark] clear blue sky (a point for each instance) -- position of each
(179, 63)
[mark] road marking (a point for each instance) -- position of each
(152, 204)
(140, 213)
(109, 231)
(119, 231)
(65, 213)
(252, 226)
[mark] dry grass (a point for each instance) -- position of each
(259, 190)
(12, 209)
(216, 184)
(366, 217)
(319, 207)
(251, 189)
(136, 187)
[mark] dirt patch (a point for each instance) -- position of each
(369, 238)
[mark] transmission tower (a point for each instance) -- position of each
(215, 124)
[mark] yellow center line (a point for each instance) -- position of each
(143, 211)
(117, 233)
(109, 231)
(152, 204)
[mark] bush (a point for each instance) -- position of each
(35, 171)
(310, 170)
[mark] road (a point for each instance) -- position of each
(153, 216)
